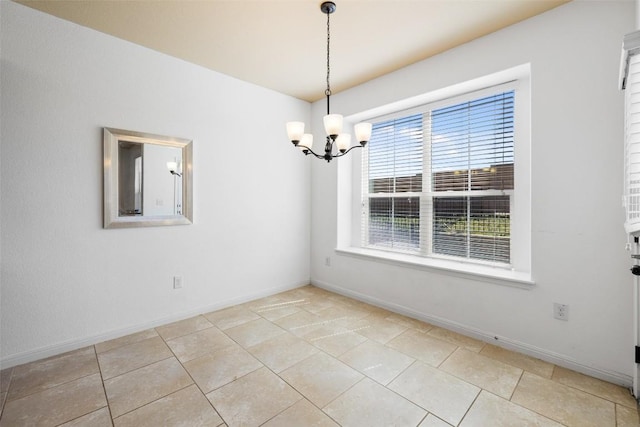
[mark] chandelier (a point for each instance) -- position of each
(332, 122)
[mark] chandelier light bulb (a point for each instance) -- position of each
(333, 124)
(363, 132)
(343, 141)
(295, 130)
(306, 142)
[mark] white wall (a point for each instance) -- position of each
(67, 282)
(577, 238)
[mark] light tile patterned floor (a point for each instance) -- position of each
(305, 357)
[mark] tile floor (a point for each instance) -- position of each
(305, 357)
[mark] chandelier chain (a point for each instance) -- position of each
(328, 91)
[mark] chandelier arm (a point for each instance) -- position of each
(342, 154)
(308, 151)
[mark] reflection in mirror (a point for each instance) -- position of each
(147, 179)
(129, 178)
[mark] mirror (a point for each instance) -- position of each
(147, 179)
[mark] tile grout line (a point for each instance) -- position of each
(181, 365)
(153, 401)
(197, 386)
(48, 388)
(447, 358)
(282, 379)
(402, 372)
(161, 397)
(303, 397)
(173, 355)
(339, 395)
(529, 409)
(185, 334)
(476, 385)
(470, 406)
(423, 419)
(404, 397)
(520, 406)
(317, 407)
(263, 366)
(140, 367)
(584, 391)
(434, 367)
(516, 387)
(4, 399)
(595, 395)
(414, 361)
(298, 391)
(104, 389)
(337, 334)
(6, 393)
(348, 388)
(127, 344)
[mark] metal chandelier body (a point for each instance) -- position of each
(332, 122)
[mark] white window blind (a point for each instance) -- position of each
(395, 183)
(440, 182)
(632, 146)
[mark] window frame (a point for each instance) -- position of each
(350, 213)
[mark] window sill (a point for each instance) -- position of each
(493, 275)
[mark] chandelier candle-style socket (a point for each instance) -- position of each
(332, 122)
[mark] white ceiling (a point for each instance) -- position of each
(281, 44)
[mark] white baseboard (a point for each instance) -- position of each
(510, 344)
(59, 348)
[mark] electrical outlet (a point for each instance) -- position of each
(327, 261)
(177, 282)
(560, 311)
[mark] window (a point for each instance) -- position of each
(438, 181)
(631, 84)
